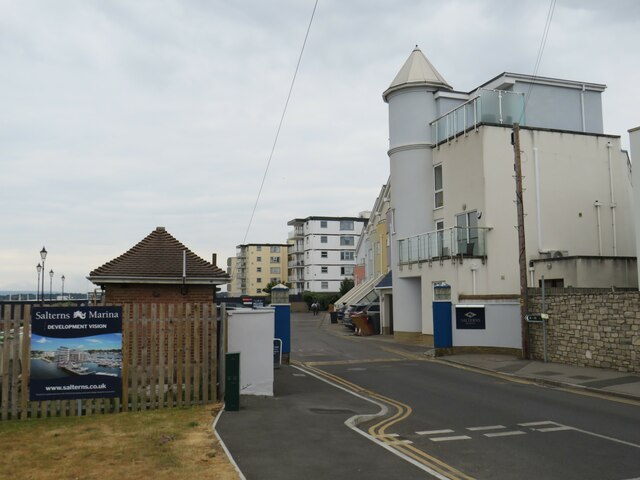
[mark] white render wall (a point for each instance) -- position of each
(251, 333)
(573, 172)
(634, 142)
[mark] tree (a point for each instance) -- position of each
(346, 285)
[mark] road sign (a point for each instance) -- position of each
(537, 318)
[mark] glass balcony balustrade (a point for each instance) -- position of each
(451, 242)
(488, 106)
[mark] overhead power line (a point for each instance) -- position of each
(284, 111)
(543, 43)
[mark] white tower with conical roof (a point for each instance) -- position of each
(412, 106)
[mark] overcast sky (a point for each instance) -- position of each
(120, 116)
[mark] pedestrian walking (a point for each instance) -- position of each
(314, 308)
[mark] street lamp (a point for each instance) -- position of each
(51, 285)
(39, 268)
(62, 278)
(43, 255)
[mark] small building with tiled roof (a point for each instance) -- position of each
(158, 269)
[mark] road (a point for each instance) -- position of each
(351, 408)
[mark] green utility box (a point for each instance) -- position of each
(232, 382)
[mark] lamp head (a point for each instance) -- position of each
(51, 273)
(43, 253)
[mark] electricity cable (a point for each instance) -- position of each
(284, 111)
(543, 43)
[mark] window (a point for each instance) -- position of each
(259, 269)
(275, 279)
(258, 259)
(323, 239)
(275, 249)
(347, 255)
(323, 224)
(324, 285)
(307, 285)
(443, 251)
(438, 200)
(259, 280)
(275, 259)
(346, 225)
(347, 241)
(258, 290)
(324, 270)
(467, 232)
(258, 248)
(346, 270)
(275, 269)
(324, 254)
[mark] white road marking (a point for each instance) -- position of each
(533, 424)
(488, 427)
(388, 435)
(299, 375)
(449, 439)
(353, 422)
(402, 442)
(617, 440)
(505, 434)
(554, 429)
(433, 432)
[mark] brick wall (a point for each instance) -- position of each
(143, 293)
(591, 328)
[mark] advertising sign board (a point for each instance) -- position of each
(76, 352)
(470, 317)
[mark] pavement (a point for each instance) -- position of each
(592, 379)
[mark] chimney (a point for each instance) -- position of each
(214, 259)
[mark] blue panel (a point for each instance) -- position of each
(442, 333)
(283, 326)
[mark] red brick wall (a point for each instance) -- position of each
(143, 293)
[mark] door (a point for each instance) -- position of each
(442, 332)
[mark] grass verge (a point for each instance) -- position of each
(161, 444)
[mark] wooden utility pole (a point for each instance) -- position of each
(524, 301)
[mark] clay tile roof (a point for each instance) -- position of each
(158, 256)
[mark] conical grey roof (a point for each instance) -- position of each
(417, 71)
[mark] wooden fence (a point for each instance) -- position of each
(169, 360)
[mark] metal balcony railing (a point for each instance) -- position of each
(488, 106)
(451, 242)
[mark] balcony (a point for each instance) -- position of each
(488, 106)
(452, 242)
(296, 233)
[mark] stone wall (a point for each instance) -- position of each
(590, 328)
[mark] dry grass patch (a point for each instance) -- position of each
(162, 444)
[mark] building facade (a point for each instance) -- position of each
(453, 230)
(322, 251)
(256, 265)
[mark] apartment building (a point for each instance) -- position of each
(256, 265)
(453, 237)
(322, 251)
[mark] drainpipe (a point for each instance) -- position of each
(613, 202)
(474, 267)
(598, 205)
(536, 166)
(584, 127)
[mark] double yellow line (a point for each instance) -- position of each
(378, 431)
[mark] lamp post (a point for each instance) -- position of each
(43, 255)
(62, 278)
(39, 268)
(51, 285)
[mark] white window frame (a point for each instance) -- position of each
(438, 193)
